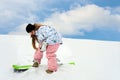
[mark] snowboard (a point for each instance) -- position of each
(22, 68)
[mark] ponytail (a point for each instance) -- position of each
(34, 39)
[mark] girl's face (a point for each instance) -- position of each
(32, 32)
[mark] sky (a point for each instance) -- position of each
(81, 19)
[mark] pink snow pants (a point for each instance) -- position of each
(50, 54)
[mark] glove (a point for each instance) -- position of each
(43, 46)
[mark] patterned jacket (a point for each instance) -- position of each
(49, 35)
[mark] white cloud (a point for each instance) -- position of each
(19, 11)
(75, 21)
(84, 18)
(15, 12)
(20, 30)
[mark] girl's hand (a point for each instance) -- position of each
(36, 49)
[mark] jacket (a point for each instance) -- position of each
(49, 35)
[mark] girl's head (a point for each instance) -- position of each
(30, 28)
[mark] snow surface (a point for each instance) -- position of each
(94, 60)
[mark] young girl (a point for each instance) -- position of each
(49, 40)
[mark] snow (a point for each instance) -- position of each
(94, 59)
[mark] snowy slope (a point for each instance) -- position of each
(95, 60)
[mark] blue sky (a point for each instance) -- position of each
(82, 19)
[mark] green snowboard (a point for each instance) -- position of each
(22, 68)
(19, 68)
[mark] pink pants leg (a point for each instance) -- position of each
(38, 56)
(51, 56)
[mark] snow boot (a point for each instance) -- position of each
(35, 64)
(49, 71)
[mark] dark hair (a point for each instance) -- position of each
(30, 27)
